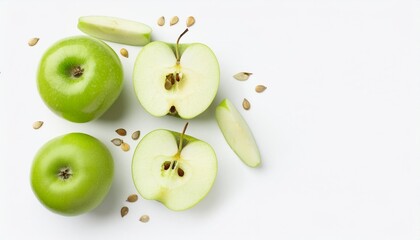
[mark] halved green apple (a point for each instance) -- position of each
(177, 79)
(237, 133)
(173, 168)
(116, 30)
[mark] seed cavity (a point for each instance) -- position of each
(260, 88)
(37, 124)
(144, 219)
(180, 172)
(161, 21)
(190, 21)
(135, 135)
(245, 104)
(124, 211)
(33, 41)
(132, 198)
(242, 76)
(124, 52)
(174, 20)
(125, 147)
(117, 141)
(121, 131)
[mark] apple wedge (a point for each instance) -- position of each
(173, 168)
(237, 133)
(176, 79)
(116, 30)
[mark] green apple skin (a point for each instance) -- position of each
(237, 133)
(74, 95)
(192, 95)
(116, 30)
(197, 159)
(91, 169)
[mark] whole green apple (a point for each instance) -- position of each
(72, 174)
(79, 78)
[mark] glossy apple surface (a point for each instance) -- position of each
(79, 78)
(72, 174)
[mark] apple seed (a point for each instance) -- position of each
(117, 141)
(33, 41)
(161, 21)
(124, 211)
(166, 165)
(260, 88)
(37, 124)
(174, 20)
(121, 131)
(246, 104)
(242, 76)
(125, 147)
(190, 21)
(132, 198)
(124, 52)
(144, 218)
(135, 135)
(180, 172)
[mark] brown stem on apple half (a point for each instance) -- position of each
(77, 71)
(178, 58)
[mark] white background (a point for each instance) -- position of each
(338, 126)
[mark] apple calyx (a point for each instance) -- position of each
(65, 173)
(174, 165)
(77, 71)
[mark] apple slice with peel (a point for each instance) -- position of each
(116, 30)
(173, 168)
(176, 79)
(237, 133)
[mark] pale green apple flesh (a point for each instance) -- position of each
(165, 85)
(177, 176)
(116, 30)
(237, 133)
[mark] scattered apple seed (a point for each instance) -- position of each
(242, 76)
(174, 20)
(132, 198)
(37, 124)
(260, 88)
(161, 21)
(121, 131)
(124, 211)
(117, 141)
(144, 218)
(246, 104)
(124, 52)
(190, 21)
(125, 147)
(135, 135)
(33, 41)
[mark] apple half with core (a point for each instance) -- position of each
(237, 133)
(79, 78)
(176, 79)
(72, 174)
(173, 168)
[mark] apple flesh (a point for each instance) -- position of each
(116, 30)
(177, 178)
(72, 174)
(177, 79)
(79, 78)
(237, 133)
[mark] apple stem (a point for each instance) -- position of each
(181, 137)
(177, 46)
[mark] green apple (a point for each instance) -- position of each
(179, 79)
(116, 30)
(173, 168)
(237, 133)
(79, 78)
(72, 174)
